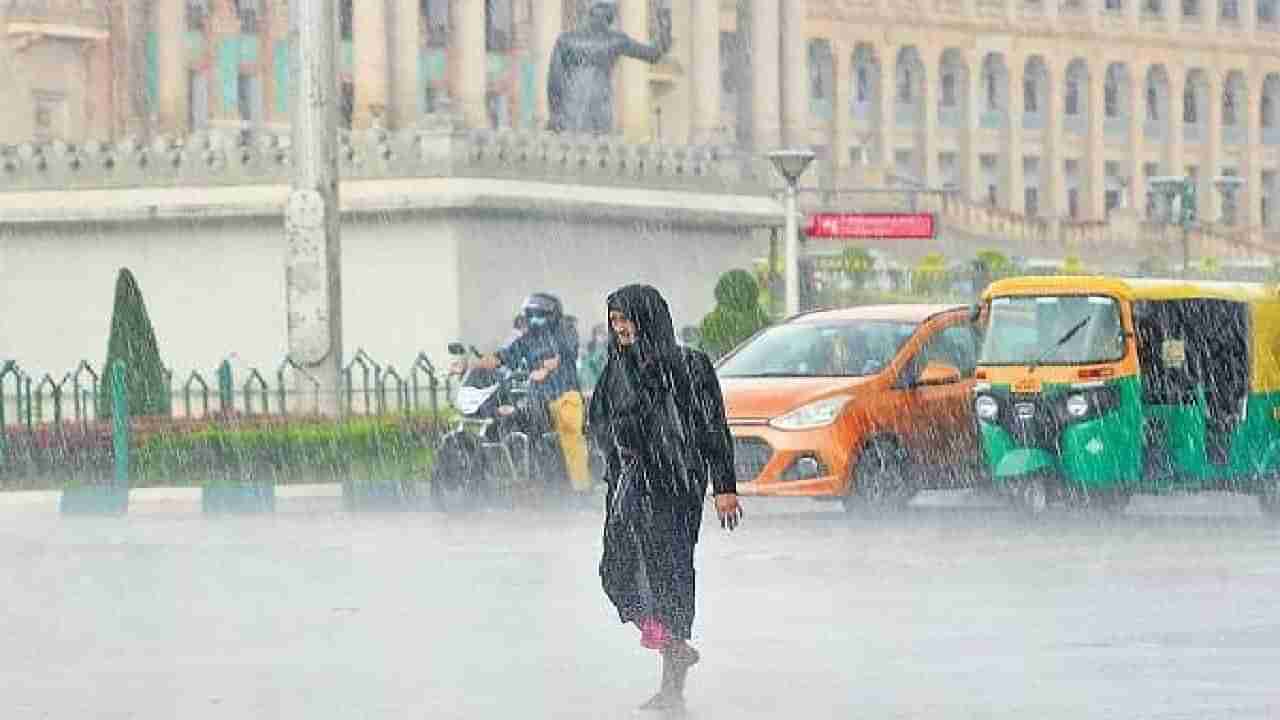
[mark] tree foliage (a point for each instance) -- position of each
(133, 340)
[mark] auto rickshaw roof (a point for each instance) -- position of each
(1134, 288)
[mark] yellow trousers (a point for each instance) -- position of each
(566, 418)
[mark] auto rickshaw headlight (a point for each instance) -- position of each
(986, 407)
(1077, 406)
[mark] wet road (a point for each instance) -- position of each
(1172, 611)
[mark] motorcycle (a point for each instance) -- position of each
(501, 449)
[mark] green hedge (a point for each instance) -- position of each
(389, 448)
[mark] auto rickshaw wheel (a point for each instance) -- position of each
(879, 480)
(1269, 498)
(1031, 496)
(1110, 501)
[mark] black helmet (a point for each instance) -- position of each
(543, 310)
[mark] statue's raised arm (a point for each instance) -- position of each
(580, 76)
(650, 53)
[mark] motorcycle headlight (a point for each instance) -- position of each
(986, 407)
(814, 415)
(1077, 406)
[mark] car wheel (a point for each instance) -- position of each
(880, 479)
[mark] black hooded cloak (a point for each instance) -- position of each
(659, 416)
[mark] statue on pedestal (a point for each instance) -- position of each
(580, 80)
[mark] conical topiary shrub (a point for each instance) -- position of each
(134, 341)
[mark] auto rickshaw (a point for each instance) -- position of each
(1089, 389)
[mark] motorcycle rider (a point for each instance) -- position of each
(552, 353)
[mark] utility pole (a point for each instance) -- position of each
(313, 273)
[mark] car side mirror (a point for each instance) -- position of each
(939, 374)
(457, 348)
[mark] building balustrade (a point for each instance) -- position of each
(52, 13)
(228, 158)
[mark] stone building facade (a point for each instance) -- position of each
(1056, 109)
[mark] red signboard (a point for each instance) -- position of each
(907, 226)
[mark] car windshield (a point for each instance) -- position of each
(812, 349)
(1052, 329)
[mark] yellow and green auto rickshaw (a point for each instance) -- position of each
(1089, 389)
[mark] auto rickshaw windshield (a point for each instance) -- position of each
(1053, 329)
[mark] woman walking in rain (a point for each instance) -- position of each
(658, 413)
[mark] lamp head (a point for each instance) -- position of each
(791, 164)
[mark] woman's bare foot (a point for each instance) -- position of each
(677, 658)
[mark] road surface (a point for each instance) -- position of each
(945, 611)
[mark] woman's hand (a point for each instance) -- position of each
(729, 510)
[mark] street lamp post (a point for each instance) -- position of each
(791, 164)
(1175, 187)
(1228, 185)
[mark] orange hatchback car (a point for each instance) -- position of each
(869, 404)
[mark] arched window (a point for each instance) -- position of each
(1190, 115)
(949, 95)
(1030, 98)
(1073, 95)
(499, 19)
(197, 14)
(905, 94)
(1266, 11)
(248, 11)
(863, 89)
(1111, 97)
(993, 90)
(1153, 102)
(435, 19)
(1229, 116)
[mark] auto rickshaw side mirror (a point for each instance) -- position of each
(975, 312)
(457, 348)
(939, 374)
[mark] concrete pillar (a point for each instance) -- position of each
(841, 117)
(1249, 18)
(224, 105)
(1051, 165)
(406, 40)
(1012, 185)
(468, 80)
(1137, 138)
(170, 19)
(313, 270)
(1251, 167)
(705, 76)
(1210, 203)
(275, 30)
(671, 106)
(928, 121)
(1209, 10)
(1094, 171)
(886, 127)
(971, 164)
(635, 104)
(765, 76)
(547, 18)
(1173, 158)
(371, 69)
(795, 74)
(98, 120)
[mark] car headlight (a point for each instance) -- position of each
(814, 415)
(986, 407)
(1077, 406)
